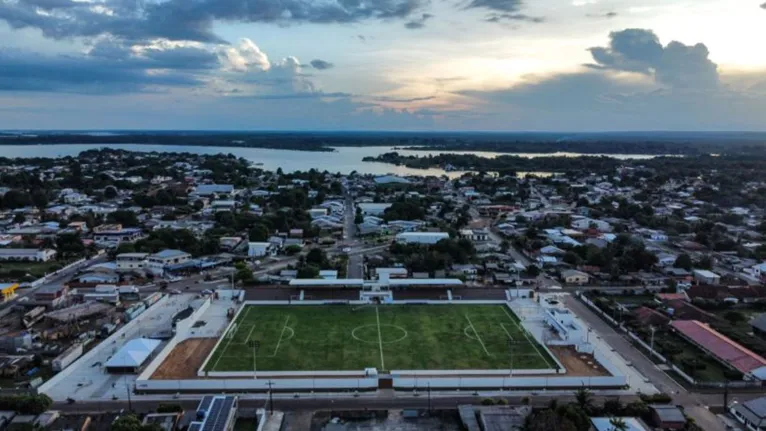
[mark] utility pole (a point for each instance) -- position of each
(726, 395)
(429, 398)
(127, 388)
(271, 400)
(651, 341)
(255, 345)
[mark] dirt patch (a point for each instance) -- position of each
(185, 359)
(578, 364)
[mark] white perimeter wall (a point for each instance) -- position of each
(402, 379)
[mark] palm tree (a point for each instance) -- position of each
(618, 424)
(584, 399)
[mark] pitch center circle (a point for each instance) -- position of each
(388, 334)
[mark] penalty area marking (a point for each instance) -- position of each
(470, 324)
(524, 332)
(281, 334)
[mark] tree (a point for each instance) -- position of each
(734, 317)
(584, 398)
(124, 217)
(548, 420)
(291, 250)
(505, 246)
(533, 271)
(126, 423)
(259, 233)
(110, 192)
(618, 424)
(308, 271)
(684, 261)
(316, 256)
(705, 262)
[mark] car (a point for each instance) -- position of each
(175, 292)
(207, 292)
(346, 249)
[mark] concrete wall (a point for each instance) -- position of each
(495, 383)
(498, 373)
(297, 374)
(219, 385)
(86, 358)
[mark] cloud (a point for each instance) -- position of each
(21, 71)
(184, 19)
(498, 5)
(418, 23)
(603, 15)
(675, 65)
(499, 17)
(321, 64)
(763, 6)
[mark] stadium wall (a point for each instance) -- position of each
(458, 382)
(498, 373)
(299, 374)
(218, 385)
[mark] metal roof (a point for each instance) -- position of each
(719, 345)
(133, 354)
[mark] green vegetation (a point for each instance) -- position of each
(383, 337)
(26, 404)
(27, 271)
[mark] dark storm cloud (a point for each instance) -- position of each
(321, 64)
(499, 5)
(676, 64)
(187, 20)
(419, 22)
(21, 71)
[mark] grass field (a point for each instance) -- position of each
(388, 337)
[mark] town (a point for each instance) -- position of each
(622, 296)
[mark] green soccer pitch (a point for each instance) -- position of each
(386, 337)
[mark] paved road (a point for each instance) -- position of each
(382, 400)
(693, 403)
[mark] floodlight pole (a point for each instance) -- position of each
(429, 397)
(651, 343)
(127, 388)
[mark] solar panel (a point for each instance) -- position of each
(218, 414)
(205, 403)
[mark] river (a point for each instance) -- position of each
(343, 159)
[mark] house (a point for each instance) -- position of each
(117, 236)
(328, 274)
(571, 276)
(216, 412)
(373, 209)
(584, 223)
(27, 254)
(296, 233)
(130, 261)
(317, 212)
(223, 205)
(157, 263)
(208, 190)
(390, 179)
(132, 356)
(165, 421)
(260, 249)
(751, 413)
(428, 238)
(706, 277)
(667, 417)
(476, 235)
(607, 424)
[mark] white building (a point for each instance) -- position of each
(429, 238)
(157, 262)
(27, 254)
(260, 249)
(586, 223)
(706, 277)
(130, 261)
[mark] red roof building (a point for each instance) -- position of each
(721, 347)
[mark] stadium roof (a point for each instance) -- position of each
(425, 282)
(719, 345)
(134, 353)
(324, 282)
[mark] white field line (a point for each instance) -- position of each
(477, 335)
(281, 334)
(380, 340)
(228, 342)
(502, 325)
(524, 332)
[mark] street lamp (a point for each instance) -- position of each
(255, 345)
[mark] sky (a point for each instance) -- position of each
(420, 65)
